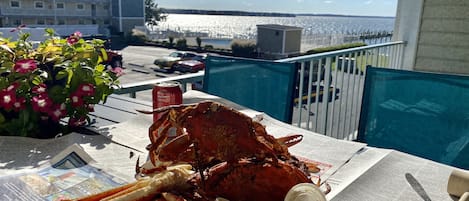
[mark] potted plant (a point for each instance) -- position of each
(50, 87)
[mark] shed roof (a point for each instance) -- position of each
(279, 27)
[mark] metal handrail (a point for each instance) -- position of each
(332, 83)
(132, 88)
(338, 52)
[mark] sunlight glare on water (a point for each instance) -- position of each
(317, 30)
(246, 25)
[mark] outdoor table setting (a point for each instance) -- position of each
(352, 170)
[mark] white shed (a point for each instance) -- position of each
(276, 41)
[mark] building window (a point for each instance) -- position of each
(15, 4)
(40, 21)
(60, 5)
(80, 21)
(17, 22)
(61, 21)
(38, 4)
(80, 6)
(106, 7)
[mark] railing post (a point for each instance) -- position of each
(325, 98)
(183, 86)
(300, 92)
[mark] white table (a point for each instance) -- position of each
(358, 172)
(370, 173)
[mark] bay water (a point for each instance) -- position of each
(317, 30)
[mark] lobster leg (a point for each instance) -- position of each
(160, 140)
(162, 121)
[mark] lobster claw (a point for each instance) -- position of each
(290, 140)
(177, 148)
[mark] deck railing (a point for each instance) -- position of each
(335, 86)
(185, 80)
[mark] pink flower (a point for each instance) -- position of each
(41, 103)
(13, 86)
(7, 99)
(74, 38)
(58, 111)
(76, 99)
(19, 104)
(90, 107)
(76, 121)
(40, 89)
(117, 70)
(77, 34)
(25, 66)
(85, 90)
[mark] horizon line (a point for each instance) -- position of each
(273, 12)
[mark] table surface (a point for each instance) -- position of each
(358, 172)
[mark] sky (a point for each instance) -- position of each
(343, 7)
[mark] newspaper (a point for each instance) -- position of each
(393, 176)
(71, 174)
(132, 133)
(328, 153)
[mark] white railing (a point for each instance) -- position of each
(186, 81)
(335, 110)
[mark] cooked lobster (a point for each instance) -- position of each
(232, 156)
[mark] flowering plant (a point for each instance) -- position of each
(57, 80)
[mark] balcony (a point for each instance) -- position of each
(45, 12)
(334, 109)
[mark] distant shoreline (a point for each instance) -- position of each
(260, 14)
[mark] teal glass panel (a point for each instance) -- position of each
(424, 114)
(261, 85)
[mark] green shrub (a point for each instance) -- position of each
(334, 48)
(208, 47)
(243, 48)
(181, 43)
(136, 37)
(171, 41)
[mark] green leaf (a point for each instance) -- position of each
(5, 47)
(2, 118)
(37, 80)
(57, 94)
(100, 68)
(24, 36)
(70, 75)
(50, 32)
(8, 64)
(61, 74)
(4, 70)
